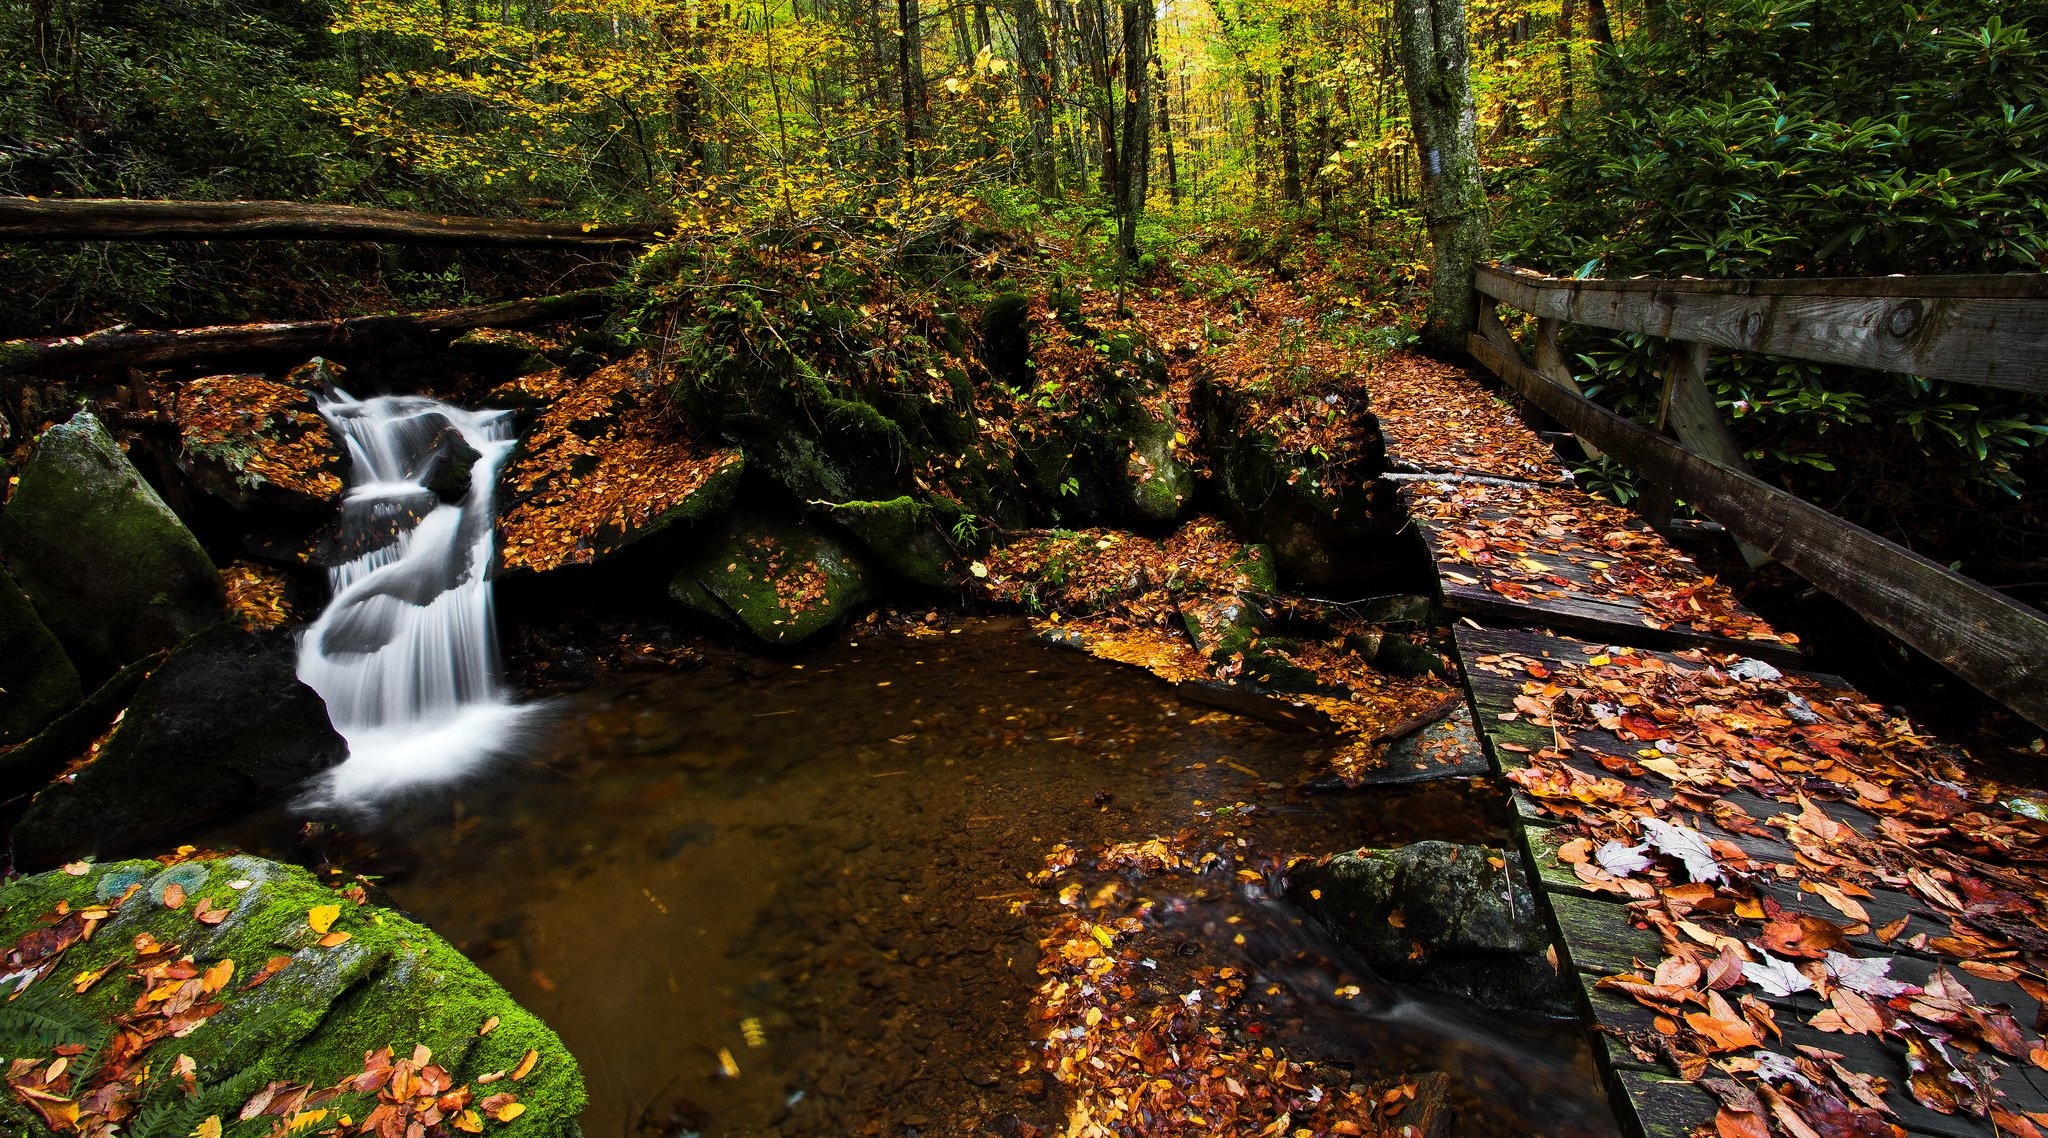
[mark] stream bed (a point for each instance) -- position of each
(789, 895)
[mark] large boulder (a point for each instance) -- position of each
(110, 569)
(224, 721)
(1158, 483)
(783, 581)
(906, 536)
(253, 442)
(37, 681)
(606, 466)
(250, 991)
(1455, 918)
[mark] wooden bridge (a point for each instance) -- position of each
(1824, 846)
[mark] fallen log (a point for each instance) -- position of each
(120, 219)
(121, 346)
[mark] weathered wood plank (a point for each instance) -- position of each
(1984, 330)
(1997, 644)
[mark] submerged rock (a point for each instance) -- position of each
(268, 994)
(110, 569)
(782, 581)
(254, 443)
(224, 721)
(37, 681)
(1454, 918)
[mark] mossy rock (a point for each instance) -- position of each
(254, 443)
(906, 536)
(37, 681)
(782, 581)
(1006, 338)
(223, 722)
(1157, 485)
(1456, 918)
(1232, 631)
(110, 569)
(330, 1002)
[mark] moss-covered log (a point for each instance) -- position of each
(121, 219)
(124, 347)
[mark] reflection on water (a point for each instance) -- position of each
(809, 864)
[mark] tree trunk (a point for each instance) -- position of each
(1598, 23)
(1564, 53)
(1135, 161)
(1034, 96)
(145, 349)
(120, 219)
(910, 80)
(1436, 61)
(1262, 162)
(1290, 139)
(1166, 123)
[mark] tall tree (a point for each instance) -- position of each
(1136, 161)
(1436, 64)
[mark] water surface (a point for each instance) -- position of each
(810, 863)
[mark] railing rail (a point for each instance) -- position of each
(1985, 330)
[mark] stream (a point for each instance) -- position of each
(810, 864)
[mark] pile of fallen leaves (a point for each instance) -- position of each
(257, 595)
(270, 427)
(1140, 1058)
(1791, 915)
(97, 1091)
(1438, 420)
(1499, 537)
(604, 461)
(1129, 598)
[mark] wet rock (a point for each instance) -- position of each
(448, 465)
(1455, 918)
(781, 581)
(254, 443)
(1327, 526)
(223, 722)
(1232, 631)
(110, 569)
(37, 681)
(391, 983)
(1006, 338)
(908, 537)
(1157, 484)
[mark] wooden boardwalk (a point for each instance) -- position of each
(1892, 913)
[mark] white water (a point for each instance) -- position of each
(406, 654)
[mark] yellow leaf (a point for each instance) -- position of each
(490, 1025)
(217, 977)
(525, 1066)
(509, 1111)
(469, 1122)
(333, 939)
(209, 1128)
(322, 917)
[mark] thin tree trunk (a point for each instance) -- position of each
(1290, 145)
(1436, 60)
(1166, 124)
(910, 81)
(1564, 53)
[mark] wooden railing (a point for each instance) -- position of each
(1984, 330)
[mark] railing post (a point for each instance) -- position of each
(1688, 414)
(1550, 364)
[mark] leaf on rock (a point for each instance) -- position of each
(1685, 844)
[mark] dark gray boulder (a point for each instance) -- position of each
(110, 569)
(1454, 918)
(223, 722)
(37, 681)
(784, 581)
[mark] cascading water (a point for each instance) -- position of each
(406, 653)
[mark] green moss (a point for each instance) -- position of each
(907, 536)
(110, 569)
(781, 581)
(37, 681)
(392, 984)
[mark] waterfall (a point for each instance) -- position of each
(406, 653)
